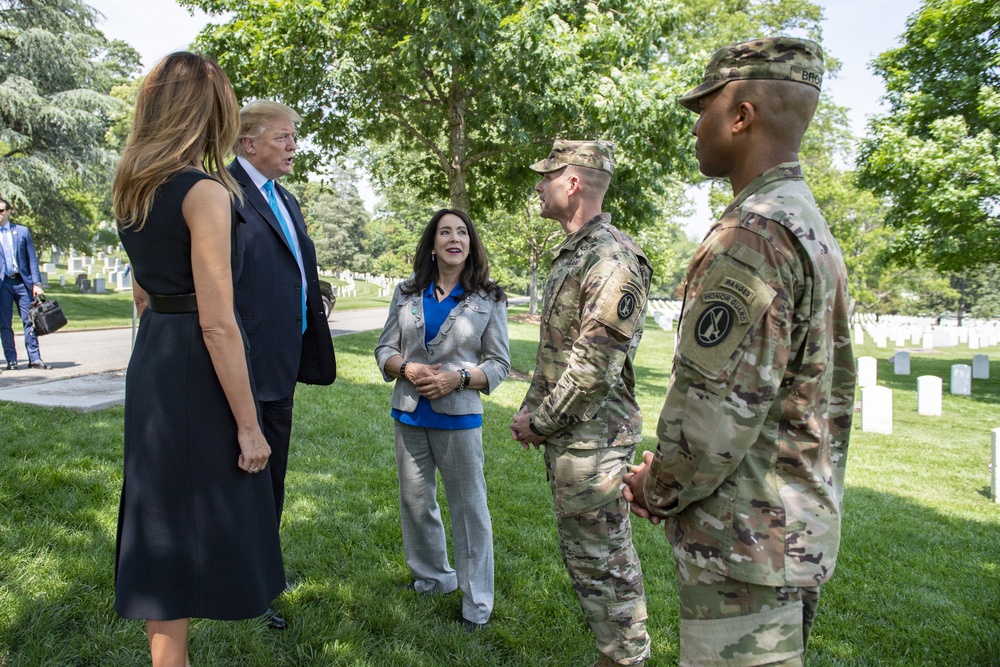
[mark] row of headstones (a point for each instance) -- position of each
(344, 291)
(387, 286)
(870, 319)
(928, 338)
(876, 402)
(122, 280)
(665, 312)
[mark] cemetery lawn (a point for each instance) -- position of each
(917, 583)
(114, 309)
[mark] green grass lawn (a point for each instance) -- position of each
(918, 582)
(114, 309)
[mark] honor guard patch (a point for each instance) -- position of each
(626, 306)
(731, 299)
(714, 325)
(622, 302)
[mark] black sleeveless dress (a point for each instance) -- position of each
(197, 536)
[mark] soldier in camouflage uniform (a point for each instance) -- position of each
(748, 474)
(581, 404)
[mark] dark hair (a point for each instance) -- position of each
(6, 204)
(475, 274)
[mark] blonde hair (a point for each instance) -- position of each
(186, 113)
(255, 116)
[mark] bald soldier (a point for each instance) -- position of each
(581, 403)
(748, 474)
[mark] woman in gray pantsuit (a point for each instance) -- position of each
(444, 342)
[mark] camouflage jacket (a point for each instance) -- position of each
(749, 467)
(582, 395)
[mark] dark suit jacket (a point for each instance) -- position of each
(24, 255)
(268, 298)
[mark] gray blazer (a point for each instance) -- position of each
(474, 335)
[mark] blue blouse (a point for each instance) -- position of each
(435, 313)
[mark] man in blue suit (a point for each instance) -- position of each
(277, 295)
(20, 285)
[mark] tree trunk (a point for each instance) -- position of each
(533, 285)
(459, 197)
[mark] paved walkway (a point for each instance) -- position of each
(88, 367)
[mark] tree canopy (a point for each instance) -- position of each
(936, 154)
(56, 73)
(473, 90)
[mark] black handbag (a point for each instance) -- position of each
(46, 316)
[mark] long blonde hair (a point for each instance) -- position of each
(186, 114)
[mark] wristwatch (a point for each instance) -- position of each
(465, 379)
(402, 369)
(534, 430)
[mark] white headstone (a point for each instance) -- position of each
(929, 395)
(961, 380)
(99, 287)
(859, 334)
(981, 367)
(901, 362)
(75, 265)
(945, 338)
(62, 280)
(973, 340)
(876, 410)
(125, 280)
(49, 267)
(928, 341)
(867, 371)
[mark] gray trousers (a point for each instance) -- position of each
(458, 455)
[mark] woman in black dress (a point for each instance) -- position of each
(197, 534)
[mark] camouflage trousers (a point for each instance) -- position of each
(595, 537)
(738, 624)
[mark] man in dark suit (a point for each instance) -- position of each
(21, 283)
(277, 295)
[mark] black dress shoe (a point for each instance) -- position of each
(12, 365)
(274, 621)
(471, 627)
(38, 363)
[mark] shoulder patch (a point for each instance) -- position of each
(622, 303)
(714, 325)
(731, 300)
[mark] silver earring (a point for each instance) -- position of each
(434, 257)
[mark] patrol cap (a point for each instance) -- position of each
(592, 154)
(781, 58)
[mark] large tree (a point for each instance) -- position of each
(56, 73)
(936, 154)
(473, 89)
(336, 219)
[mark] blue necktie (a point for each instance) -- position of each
(7, 250)
(272, 201)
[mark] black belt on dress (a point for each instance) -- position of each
(173, 304)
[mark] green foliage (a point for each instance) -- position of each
(466, 92)
(936, 155)
(916, 581)
(336, 219)
(56, 70)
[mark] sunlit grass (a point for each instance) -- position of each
(917, 582)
